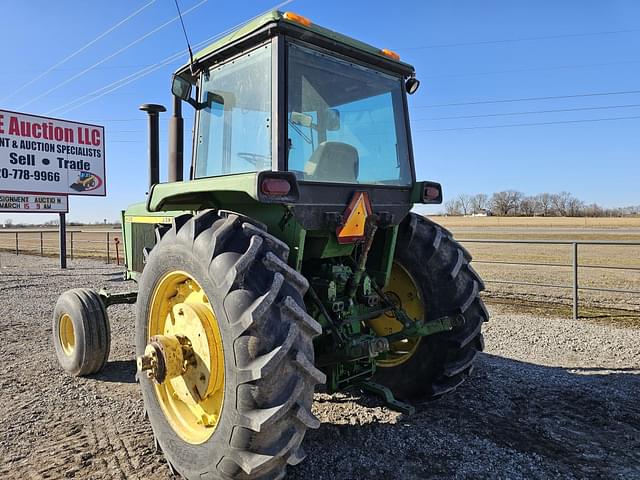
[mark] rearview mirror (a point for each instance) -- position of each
(302, 119)
(181, 88)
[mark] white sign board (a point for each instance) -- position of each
(33, 203)
(46, 155)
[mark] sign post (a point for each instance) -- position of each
(62, 230)
(43, 160)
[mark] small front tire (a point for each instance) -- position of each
(81, 333)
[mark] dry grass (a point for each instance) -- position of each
(88, 242)
(584, 222)
(494, 260)
(91, 242)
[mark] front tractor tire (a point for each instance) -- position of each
(239, 402)
(81, 333)
(432, 278)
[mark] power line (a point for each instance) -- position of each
(532, 69)
(107, 89)
(101, 92)
(526, 99)
(531, 112)
(523, 39)
(607, 119)
(80, 50)
(109, 57)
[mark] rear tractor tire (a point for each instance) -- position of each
(81, 334)
(217, 293)
(431, 278)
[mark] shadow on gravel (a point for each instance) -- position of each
(511, 419)
(118, 371)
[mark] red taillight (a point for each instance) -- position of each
(431, 193)
(277, 187)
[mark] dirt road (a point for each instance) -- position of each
(551, 398)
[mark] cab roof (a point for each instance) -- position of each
(269, 24)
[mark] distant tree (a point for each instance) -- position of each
(560, 203)
(464, 202)
(593, 210)
(8, 222)
(575, 207)
(479, 203)
(544, 203)
(452, 207)
(506, 202)
(528, 206)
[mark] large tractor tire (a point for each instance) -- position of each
(431, 278)
(221, 284)
(81, 334)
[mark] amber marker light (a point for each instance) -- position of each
(294, 17)
(390, 54)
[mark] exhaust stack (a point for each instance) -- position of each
(176, 142)
(154, 110)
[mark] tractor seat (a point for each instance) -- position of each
(333, 161)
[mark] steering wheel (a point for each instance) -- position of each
(255, 159)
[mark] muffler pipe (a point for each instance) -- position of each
(154, 110)
(176, 142)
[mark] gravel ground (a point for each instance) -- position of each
(550, 398)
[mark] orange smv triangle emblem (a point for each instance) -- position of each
(355, 217)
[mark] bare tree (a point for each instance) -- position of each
(452, 207)
(560, 203)
(575, 207)
(528, 206)
(479, 203)
(544, 203)
(464, 202)
(506, 202)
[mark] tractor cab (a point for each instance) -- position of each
(343, 122)
(291, 114)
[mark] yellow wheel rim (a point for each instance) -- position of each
(67, 335)
(191, 402)
(401, 290)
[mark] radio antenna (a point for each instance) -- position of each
(184, 30)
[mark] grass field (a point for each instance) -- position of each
(549, 222)
(88, 242)
(590, 257)
(92, 242)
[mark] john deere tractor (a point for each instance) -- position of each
(289, 259)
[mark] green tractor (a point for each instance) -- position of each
(289, 259)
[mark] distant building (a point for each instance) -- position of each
(482, 213)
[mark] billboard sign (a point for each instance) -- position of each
(33, 203)
(50, 156)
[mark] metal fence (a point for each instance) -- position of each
(105, 245)
(575, 266)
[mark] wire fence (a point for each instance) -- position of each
(107, 245)
(575, 286)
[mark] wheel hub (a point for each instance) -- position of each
(184, 357)
(67, 335)
(403, 292)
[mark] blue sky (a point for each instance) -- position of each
(464, 52)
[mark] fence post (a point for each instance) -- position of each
(575, 281)
(41, 245)
(108, 253)
(71, 245)
(117, 242)
(17, 248)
